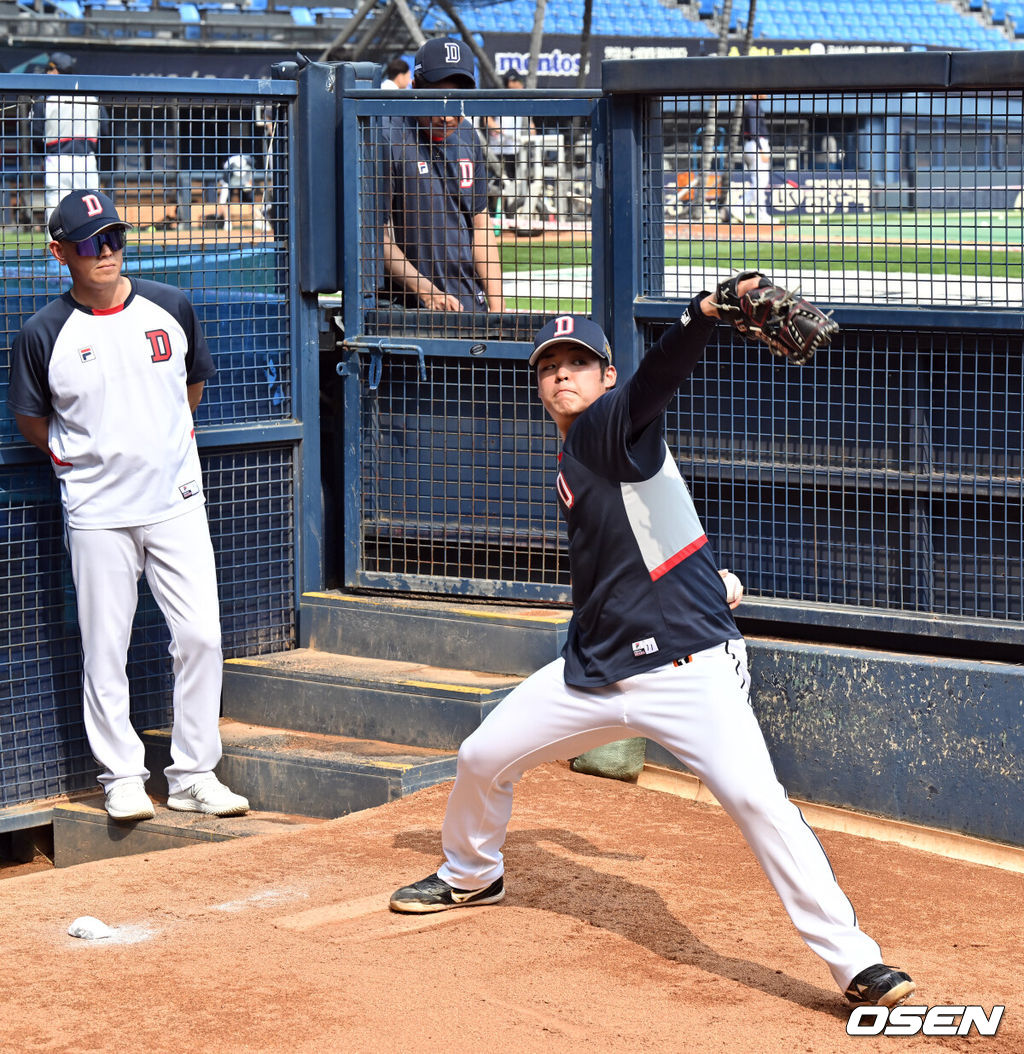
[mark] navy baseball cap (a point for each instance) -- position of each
(572, 329)
(444, 58)
(81, 214)
(61, 61)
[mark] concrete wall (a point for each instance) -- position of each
(926, 740)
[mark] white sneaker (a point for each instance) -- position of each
(128, 800)
(208, 795)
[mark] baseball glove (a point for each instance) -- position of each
(793, 328)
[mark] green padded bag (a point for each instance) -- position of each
(621, 760)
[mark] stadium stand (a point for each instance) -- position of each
(974, 24)
(936, 23)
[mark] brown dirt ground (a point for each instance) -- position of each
(634, 921)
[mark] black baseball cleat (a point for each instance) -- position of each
(434, 894)
(879, 985)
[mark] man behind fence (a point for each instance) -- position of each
(70, 128)
(439, 247)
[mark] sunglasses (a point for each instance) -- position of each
(112, 237)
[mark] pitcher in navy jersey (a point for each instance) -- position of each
(652, 650)
(105, 379)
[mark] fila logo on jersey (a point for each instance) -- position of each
(648, 646)
(423, 167)
(86, 354)
(160, 342)
(190, 489)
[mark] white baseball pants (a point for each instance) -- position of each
(757, 161)
(64, 173)
(700, 711)
(177, 559)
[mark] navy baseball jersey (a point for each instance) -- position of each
(434, 189)
(113, 385)
(645, 586)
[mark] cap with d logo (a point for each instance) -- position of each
(81, 214)
(572, 329)
(444, 58)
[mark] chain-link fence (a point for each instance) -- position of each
(879, 487)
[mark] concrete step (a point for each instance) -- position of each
(82, 830)
(310, 774)
(351, 695)
(501, 638)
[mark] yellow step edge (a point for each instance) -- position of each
(257, 660)
(555, 618)
(446, 687)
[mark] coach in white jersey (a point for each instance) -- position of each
(652, 650)
(104, 379)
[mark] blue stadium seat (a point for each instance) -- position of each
(64, 8)
(917, 22)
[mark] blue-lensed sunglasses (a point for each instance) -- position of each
(112, 236)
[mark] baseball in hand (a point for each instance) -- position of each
(733, 588)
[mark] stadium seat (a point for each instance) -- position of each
(63, 8)
(932, 23)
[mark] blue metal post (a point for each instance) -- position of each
(624, 252)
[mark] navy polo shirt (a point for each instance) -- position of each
(434, 189)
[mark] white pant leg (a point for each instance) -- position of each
(757, 161)
(51, 181)
(106, 566)
(542, 719)
(65, 173)
(700, 711)
(182, 576)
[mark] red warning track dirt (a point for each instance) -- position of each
(634, 921)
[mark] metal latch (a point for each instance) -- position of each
(376, 346)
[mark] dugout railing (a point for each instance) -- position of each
(874, 495)
(229, 238)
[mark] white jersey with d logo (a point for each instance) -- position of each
(114, 384)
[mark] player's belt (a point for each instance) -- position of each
(689, 658)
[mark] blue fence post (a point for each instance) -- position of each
(623, 257)
(315, 252)
(353, 258)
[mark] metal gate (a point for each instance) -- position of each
(877, 490)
